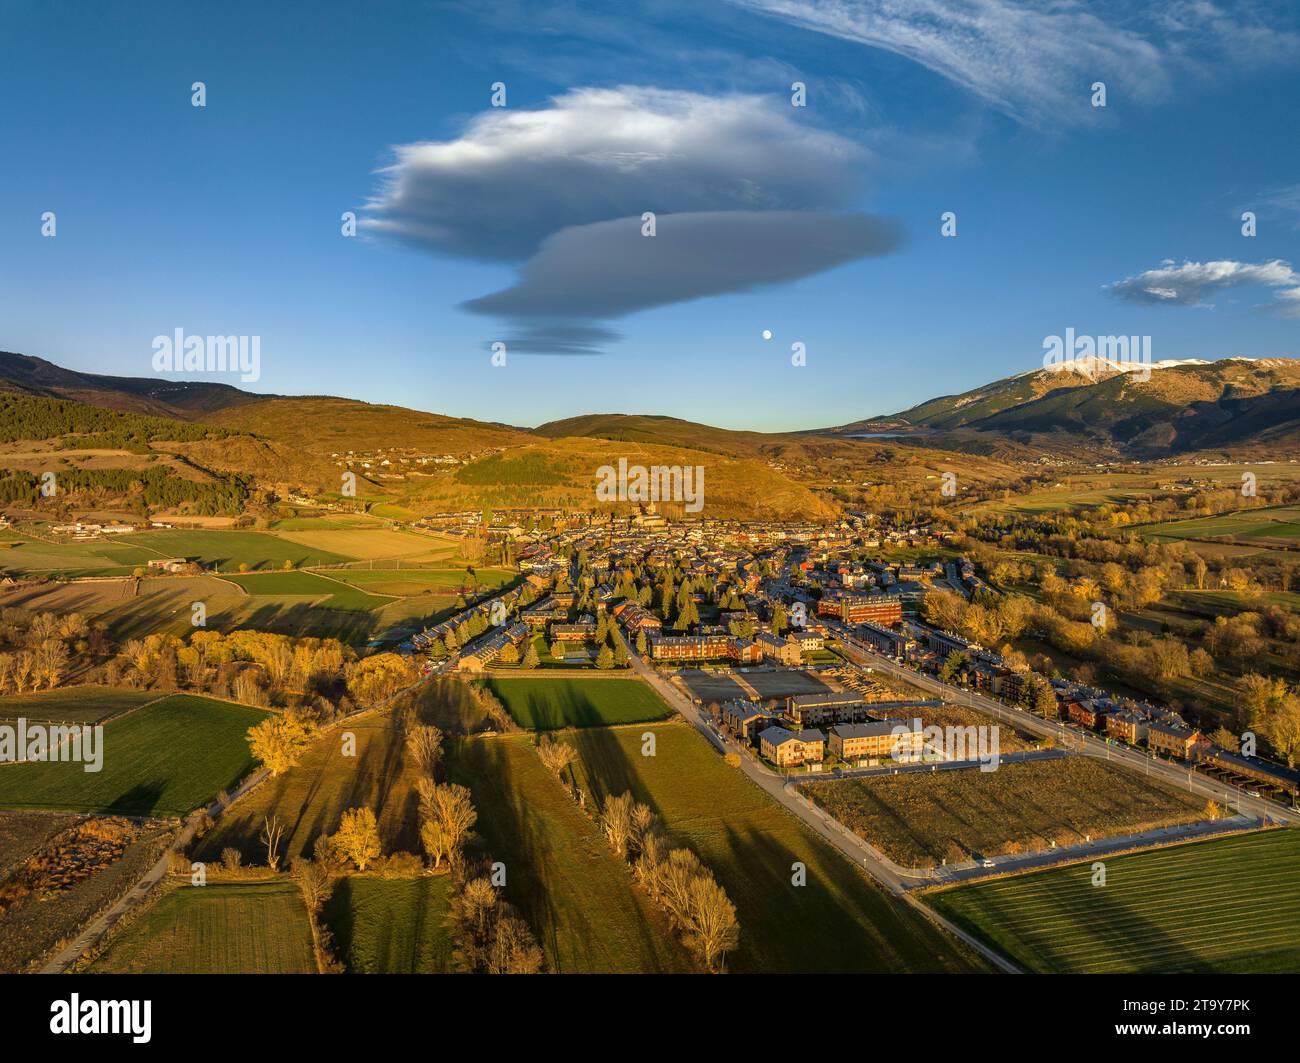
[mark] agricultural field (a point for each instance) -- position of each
(25, 555)
(1265, 527)
(91, 703)
(919, 819)
(578, 897)
(165, 759)
(307, 586)
(548, 704)
(227, 550)
(1226, 906)
(838, 922)
(364, 544)
(220, 928)
(406, 582)
(392, 926)
(311, 798)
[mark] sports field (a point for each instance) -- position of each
(576, 895)
(839, 921)
(165, 759)
(547, 704)
(1226, 906)
(220, 928)
(392, 926)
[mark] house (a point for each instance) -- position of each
(167, 564)
(744, 720)
(1173, 740)
(805, 710)
(1090, 714)
(1127, 725)
(862, 608)
(856, 742)
(479, 654)
(808, 639)
(579, 632)
(783, 651)
(788, 749)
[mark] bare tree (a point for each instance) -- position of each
(272, 835)
(713, 929)
(424, 743)
(616, 822)
(556, 755)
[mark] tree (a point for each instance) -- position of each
(951, 666)
(313, 880)
(557, 650)
(556, 755)
(424, 743)
(641, 645)
(1045, 704)
(531, 660)
(449, 809)
(357, 838)
(513, 949)
(271, 836)
(712, 929)
(616, 822)
(605, 658)
(278, 742)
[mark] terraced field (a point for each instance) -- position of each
(1225, 906)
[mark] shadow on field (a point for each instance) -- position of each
(140, 800)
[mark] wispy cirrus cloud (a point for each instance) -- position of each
(1192, 283)
(1036, 61)
(744, 195)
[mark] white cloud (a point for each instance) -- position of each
(744, 195)
(517, 176)
(1190, 283)
(1036, 61)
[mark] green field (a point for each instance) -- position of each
(166, 759)
(227, 550)
(221, 928)
(79, 704)
(838, 922)
(392, 926)
(1278, 525)
(548, 704)
(411, 581)
(576, 895)
(1226, 906)
(26, 555)
(330, 593)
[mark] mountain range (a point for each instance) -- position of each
(1083, 410)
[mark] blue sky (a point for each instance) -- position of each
(225, 219)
